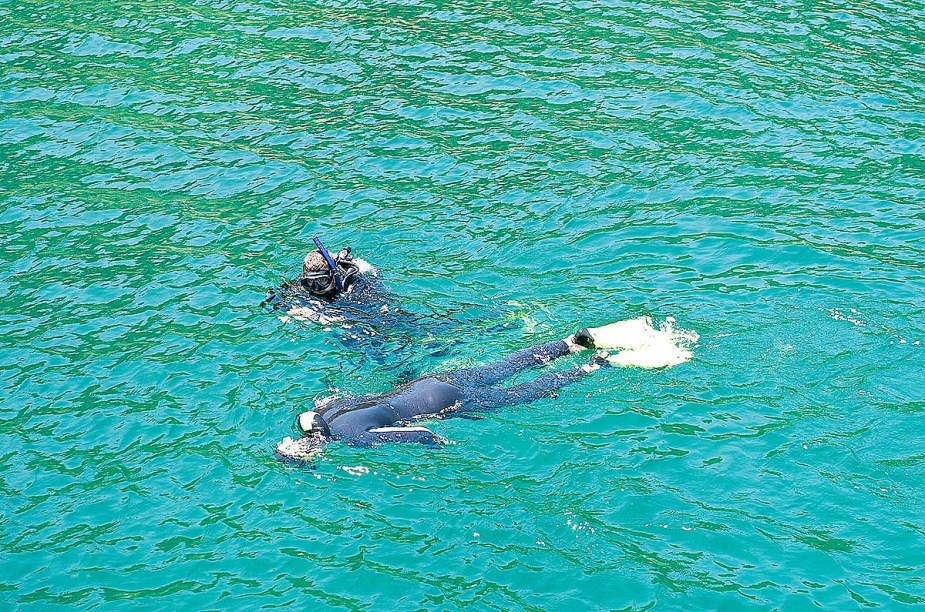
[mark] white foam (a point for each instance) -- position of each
(852, 317)
(642, 345)
(293, 449)
(357, 470)
(365, 267)
(324, 401)
(304, 313)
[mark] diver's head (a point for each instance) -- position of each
(310, 422)
(328, 276)
(315, 434)
(314, 262)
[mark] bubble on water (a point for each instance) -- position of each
(838, 315)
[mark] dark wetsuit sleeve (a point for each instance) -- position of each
(544, 386)
(510, 365)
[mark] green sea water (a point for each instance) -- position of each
(516, 170)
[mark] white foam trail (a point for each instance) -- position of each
(644, 346)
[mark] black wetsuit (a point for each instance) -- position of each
(367, 316)
(369, 319)
(365, 302)
(371, 419)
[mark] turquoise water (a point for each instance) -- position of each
(515, 170)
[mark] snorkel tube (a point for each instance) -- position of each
(330, 260)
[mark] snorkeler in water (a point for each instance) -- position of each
(344, 292)
(326, 285)
(374, 419)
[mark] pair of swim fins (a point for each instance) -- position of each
(620, 335)
(639, 344)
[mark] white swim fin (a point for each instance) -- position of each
(638, 343)
(619, 335)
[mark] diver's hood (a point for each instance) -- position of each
(323, 283)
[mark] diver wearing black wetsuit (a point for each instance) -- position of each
(373, 419)
(324, 279)
(344, 292)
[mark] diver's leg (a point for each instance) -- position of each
(512, 364)
(544, 386)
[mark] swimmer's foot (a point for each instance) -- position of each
(574, 343)
(598, 361)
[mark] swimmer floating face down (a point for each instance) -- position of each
(390, 417)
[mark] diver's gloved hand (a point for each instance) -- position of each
(614, 335)
(343, 255)
(574, 346)
(312, 422)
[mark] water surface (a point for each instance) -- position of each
(516, 171)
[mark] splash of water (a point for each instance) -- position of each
(366, 267)
(642, 345)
